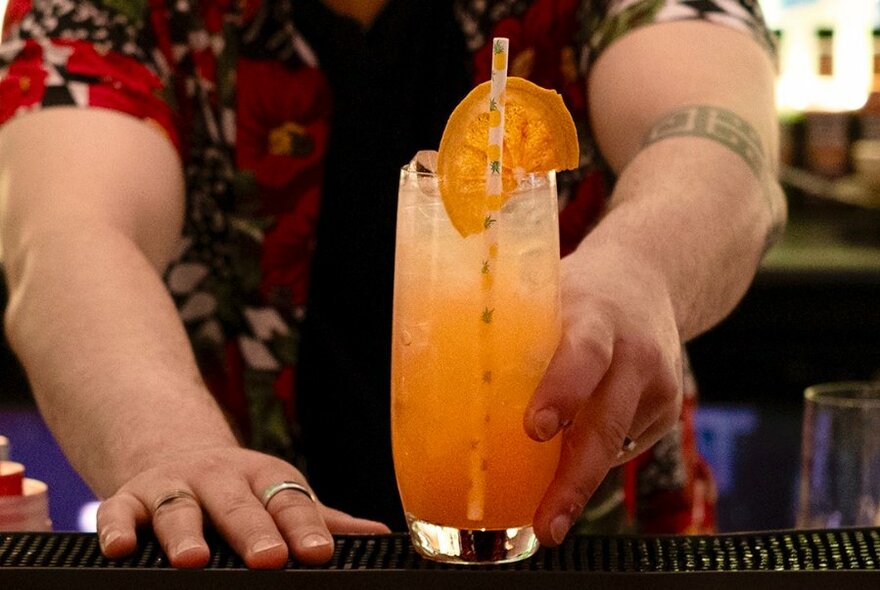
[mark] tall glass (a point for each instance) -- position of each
(476, 321)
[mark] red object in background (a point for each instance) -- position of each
(11, 478)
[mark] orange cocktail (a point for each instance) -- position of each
(476, 320)
(469, 348)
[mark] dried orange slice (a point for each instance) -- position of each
(539, 136)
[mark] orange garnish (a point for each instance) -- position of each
(539, 136)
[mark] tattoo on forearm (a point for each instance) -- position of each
(721, 125)
(731, 130)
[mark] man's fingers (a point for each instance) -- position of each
(342, 522)
(658, 410)
(299, 519)
(177, 522)
(117, 521)
(558, 398)
(175, 515)
(237, 514)
(590, 446)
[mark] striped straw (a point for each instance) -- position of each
(476, 497)
(496, 116)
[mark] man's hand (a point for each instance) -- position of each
(616, 376)
(223, 487)
(684, 113)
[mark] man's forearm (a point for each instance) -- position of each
(106, 354)
(85, 231)
(700, 213)
(684, 113)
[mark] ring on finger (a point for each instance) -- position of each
(275, 488)
(171, 497)
(629, 445)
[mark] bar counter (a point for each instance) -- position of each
(775, 560)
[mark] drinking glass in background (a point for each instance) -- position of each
(475, 325)
(840, 456)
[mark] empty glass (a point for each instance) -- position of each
(840, 456)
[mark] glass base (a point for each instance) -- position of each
(478, 546)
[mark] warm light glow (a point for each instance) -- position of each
(799, 85)
(2, 12)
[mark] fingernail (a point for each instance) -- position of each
(546, 423)
(108, 538)
(315, 540)
(559, 528)
(265, 545)
(186, 545)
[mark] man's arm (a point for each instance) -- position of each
(91, 210)
(91, 206)
(685, 114)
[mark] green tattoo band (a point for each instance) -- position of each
(717, 124)
(734, 132)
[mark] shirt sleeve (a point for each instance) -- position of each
(612, 19)
(85, 53)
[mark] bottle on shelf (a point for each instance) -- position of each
(825, 51)
(866, 149)
(869, 114)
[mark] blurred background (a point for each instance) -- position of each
(812, 314)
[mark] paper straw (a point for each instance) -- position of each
(496, 116)
(479, 465)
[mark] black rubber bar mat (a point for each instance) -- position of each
(802, 559)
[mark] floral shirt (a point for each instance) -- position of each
(289, 121)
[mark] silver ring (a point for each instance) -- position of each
(273, 489)
(171, 497)
(629, 445)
